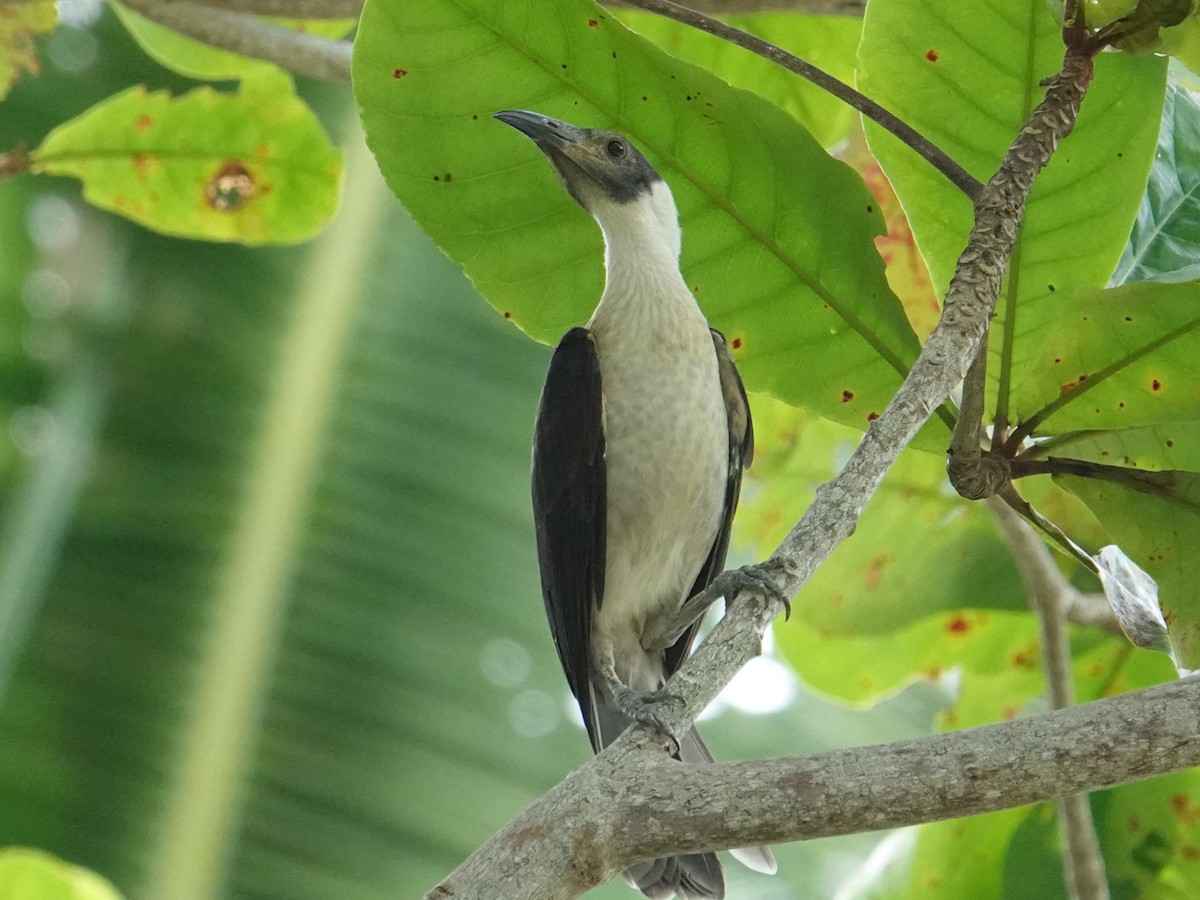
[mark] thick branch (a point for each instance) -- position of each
(595, 823)
(296, 51)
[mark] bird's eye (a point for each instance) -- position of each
(615, 149)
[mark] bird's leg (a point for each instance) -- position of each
(638, 705)
(755, 579)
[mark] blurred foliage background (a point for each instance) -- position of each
(269, 616)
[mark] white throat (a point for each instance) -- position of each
(641, 260)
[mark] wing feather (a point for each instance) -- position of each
(569, 495)
(741, 451)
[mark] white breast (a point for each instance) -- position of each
(666, 453)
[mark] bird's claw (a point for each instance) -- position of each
(756, 579)
(646, 707)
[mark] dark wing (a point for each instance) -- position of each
(741, 451)
(569, 492)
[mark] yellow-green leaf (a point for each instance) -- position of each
(19, 22)
(254, 167)
(33, 875)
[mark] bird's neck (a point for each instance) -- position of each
(643, 286)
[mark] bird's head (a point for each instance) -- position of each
(604, 172)
(595, 166)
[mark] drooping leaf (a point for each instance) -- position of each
(1133, 596)
(33, 875)
(828, 42)
(254, 167)
(777, 236)
(1165, 243)
(1159, 528)
(1182, 42)
(198, 60)
(20, 20)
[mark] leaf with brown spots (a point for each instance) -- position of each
(778, 237)
(918, 549)
(254, 167)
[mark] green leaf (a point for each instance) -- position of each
(19, 22)
(1108, 359)
(883, 577)
(1154, 447)
(34, 875)
(1159, 529)
(968, 79)
(1182, 42)
(1165, 243)
(254, 167)
(828, 42)
(778, 237)
(197, 60)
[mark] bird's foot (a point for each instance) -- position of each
(647, 707)
(755, 579)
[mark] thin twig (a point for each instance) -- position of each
(1083, 863)
(958, 176)
(296, 51)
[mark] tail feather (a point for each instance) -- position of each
(693, 876)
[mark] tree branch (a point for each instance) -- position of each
(958, 176)
(595, 822)
(291, 9)
(303, 54)
(350, 9)
(1083, 863)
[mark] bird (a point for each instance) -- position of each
(642, 432)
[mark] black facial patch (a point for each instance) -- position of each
(590, 162)
(615, 165)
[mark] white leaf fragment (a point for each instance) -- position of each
(1133, 596)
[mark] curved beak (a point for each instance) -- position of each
(549, 134)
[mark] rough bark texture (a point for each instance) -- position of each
(596, 822)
